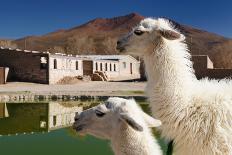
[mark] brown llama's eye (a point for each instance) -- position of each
(138, 32)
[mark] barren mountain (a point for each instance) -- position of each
(95, 37)
(99, 36)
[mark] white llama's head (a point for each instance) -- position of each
(104, 120)
(147, 36)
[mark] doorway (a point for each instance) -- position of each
(87, 67)
(2, 75)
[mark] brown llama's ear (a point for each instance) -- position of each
(169, 34)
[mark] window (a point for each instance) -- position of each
(54, 120)
(124, 65)
(100, 66)
(106, 67)
(43, 63)
(110, 67)
(96, 66)
(115, 67)
(55, 64)
(77, 65)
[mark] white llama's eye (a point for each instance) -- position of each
(99, 113)
(138, 32)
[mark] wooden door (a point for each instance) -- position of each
(87, 67)
(2, 75)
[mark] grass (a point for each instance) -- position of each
(130, 93)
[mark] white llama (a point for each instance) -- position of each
(197, 114)
(123, 123)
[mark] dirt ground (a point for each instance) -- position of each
(92, 87)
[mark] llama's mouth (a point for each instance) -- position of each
(79, 127)
(121, 49)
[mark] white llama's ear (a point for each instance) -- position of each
(151, 122)
(169, 34)
(130, 121)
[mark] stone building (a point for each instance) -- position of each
(24, 65)
(38, 67)
(47, 68)
(44, 67)
(116, 67)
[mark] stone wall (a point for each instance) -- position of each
(24, 66)
(203, 67)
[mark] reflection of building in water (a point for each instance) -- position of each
(3, 111)
(61, 115)
(35, 117)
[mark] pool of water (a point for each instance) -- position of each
(43, 128)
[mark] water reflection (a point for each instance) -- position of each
(26, 118)
(3, 111)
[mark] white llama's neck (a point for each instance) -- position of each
(169, 70)
(130, 142)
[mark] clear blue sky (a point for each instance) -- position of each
(36, 17)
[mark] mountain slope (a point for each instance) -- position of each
(99, 36)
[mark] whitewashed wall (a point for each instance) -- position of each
(122, 71)
(110, 73)
(125, 70)
(66, 66)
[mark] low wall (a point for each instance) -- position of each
(203, 67)
(214, 73)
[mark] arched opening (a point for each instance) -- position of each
(55, 64)
(100, 66)
(115, 67)
(43, 63)
(110, 67)
(106, 67)
(96, 66)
